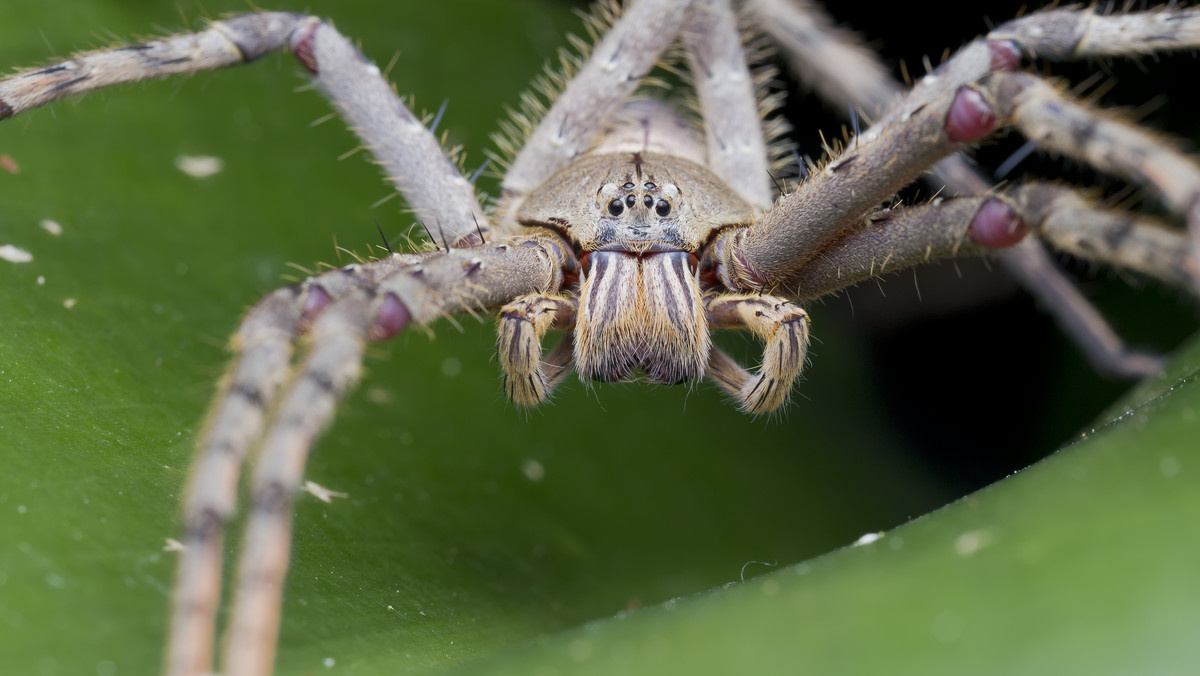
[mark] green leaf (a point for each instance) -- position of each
(1084, 563)
(470, 529)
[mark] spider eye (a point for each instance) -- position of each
(628, 186)
(630, 200)
(648, 201)
(662, 208)
(615, 207)
(650, 186)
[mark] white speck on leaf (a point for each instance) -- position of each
(972, 541)
(321, 493)
(867, 538)
(13, 254)
(533, 470)
(199, 166)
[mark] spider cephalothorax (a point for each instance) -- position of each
(639, 218)
(636, 231)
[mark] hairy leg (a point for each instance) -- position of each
(337, 312)
(737, 152)
(596, 92)
(833, 62)
(411, 156)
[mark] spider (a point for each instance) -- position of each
(627, 211)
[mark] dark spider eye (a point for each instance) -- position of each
(648, 201)
(628, 186)
(615, 207)
(662, 208)
(650, 186)
(630, 200)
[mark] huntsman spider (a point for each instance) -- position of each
(636, 223)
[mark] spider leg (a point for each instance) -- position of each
(890, 154)
(1070, 222)
(1076, 316)
(528, 378)
(1030, 263)
(345, 308)
(409, 154)
(263, 344)
(356, 303)
(229, 42)
(841, 70)
(338, 337)
(890, 240)
(826, 57)
(737, 152)
(264, 348)
(1073, 33)
(777, 245)
(356, 88)
(1057, 123)
(783, 328)
(595, 94)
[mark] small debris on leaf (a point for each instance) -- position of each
(321, 493)
(13, 254)
(199, 166)
(867, 539)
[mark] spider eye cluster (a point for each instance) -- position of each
(650, 196)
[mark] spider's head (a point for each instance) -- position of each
(636, 202)
(639, 218)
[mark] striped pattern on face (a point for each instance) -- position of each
(641, 313)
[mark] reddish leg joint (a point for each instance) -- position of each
(996, 226)
(970, 117)
(315, 301)
(391, 318)
(1005, 55)
(301, 43)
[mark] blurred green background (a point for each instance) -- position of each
(470, 526)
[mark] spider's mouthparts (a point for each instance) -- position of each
(641, 313)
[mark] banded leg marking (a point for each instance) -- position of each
(529, 378)
(783, 328)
